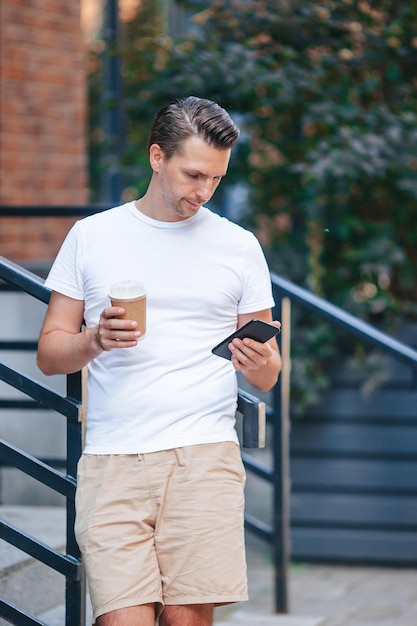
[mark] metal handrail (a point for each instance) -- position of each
(339, 317)
(23, 279)
(68, 564)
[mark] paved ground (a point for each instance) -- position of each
(326, 595)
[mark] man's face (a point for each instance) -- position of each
(188, 179)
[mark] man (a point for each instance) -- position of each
(160, 483)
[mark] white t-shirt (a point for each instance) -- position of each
(200, 273)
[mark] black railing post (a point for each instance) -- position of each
(75, 590)
(280, 513)
(280, 524)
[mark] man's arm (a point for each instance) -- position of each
(63, 348)
(260, 363)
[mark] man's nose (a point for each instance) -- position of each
(205, 190)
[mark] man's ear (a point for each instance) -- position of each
(156, 156)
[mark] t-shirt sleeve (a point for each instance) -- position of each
(65, 275)
(256, 289)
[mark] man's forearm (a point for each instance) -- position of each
(60, 352)
(265, 377)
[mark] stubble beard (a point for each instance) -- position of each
(175, 206)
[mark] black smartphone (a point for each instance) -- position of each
(255, 329)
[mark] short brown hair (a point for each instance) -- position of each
(184, 117)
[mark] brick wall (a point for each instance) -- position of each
(43, 158)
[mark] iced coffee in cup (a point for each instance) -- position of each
(131, 295)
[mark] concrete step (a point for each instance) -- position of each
(259, 609)
(56, 616)
(27, 583)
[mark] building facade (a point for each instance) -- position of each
(43, 120)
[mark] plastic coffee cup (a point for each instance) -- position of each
(131, 295)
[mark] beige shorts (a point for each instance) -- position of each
(163, 527)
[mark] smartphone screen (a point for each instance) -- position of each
(255, 329)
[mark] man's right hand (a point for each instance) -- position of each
(113, 332)
(64, 349)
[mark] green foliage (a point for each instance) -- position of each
(326, 95)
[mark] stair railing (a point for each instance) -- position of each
(68, 564)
